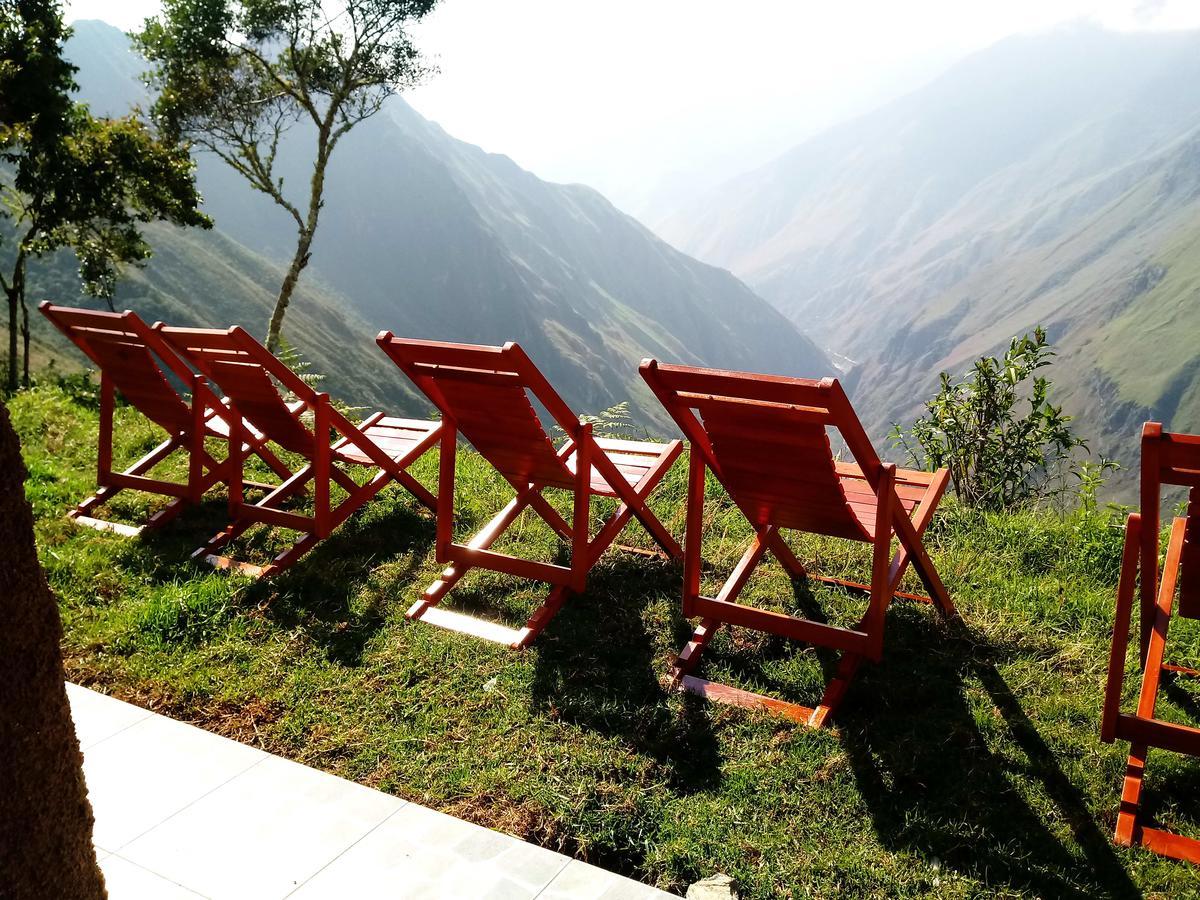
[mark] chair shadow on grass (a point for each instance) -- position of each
(319, 591)
(598, 667)
(935, 788)
(316, 593)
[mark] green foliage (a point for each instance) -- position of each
(613, 422)
(73, 180)
(1003, 441)
(234, 76)
(35, 81)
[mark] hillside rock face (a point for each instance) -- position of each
(1051, 179)
(433, 238)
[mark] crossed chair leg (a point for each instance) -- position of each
(1141, 728)
(681, 677)
(586, 550)
(204, 471)
(313, 529)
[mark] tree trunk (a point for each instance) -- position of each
(45, 817)
(24, 341)
(15, 290)
(299, 261)
(10, 379)
(304, 242)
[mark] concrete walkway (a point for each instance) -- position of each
(184, 813)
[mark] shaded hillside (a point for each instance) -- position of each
(204, 279)
(430, 237)
(1049, 179)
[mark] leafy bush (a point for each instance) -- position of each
(1003, 441)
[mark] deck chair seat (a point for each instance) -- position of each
(217, 423)
(766, 440)
(395, 437)
(135, 362)
(1167, 459)
(485, 394)
(256, 387)
(634, 460)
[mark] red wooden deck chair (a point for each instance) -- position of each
(484, 393)
(133, 360)
(1172, 459)
(251, 379)
(765, 439)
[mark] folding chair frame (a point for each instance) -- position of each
(865, 640)
(206, 349)
(589, 452)
(1166, 459)
(204, 471)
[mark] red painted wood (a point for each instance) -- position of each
(766, 440)
(256, 384)
(486, 394)
(1120, 640)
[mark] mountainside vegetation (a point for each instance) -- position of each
(236, 77)
(429, 237)
(69, 179)
(1051, 179)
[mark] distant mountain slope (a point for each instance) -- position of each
(430, 237)
(202, 279)
(1051, 179)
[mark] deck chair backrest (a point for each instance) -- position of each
(129, 353)
(485, 391)
(1170, 458)
(247, 374)
(767, 440)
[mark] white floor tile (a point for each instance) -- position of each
(125, 881)
(579, 881)
(264, 833)
(151, 770)
(422, 853)
(98, 717)
(194, 814)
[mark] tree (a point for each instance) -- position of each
(999, 456)
(72, 180)
(45, 817)
(235, 76)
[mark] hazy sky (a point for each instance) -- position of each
(646, 99)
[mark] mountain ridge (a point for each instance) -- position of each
(434, 238)
(1042, 181)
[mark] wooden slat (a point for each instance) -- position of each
(723, 693)
(1179, 451)
(201, 339)
(440, 353)
(1157, 733)
(786, 626)
(479, 628)
(470, 375)
(795, 413)
(770, 388)
(646, 448)
(1174, 846)
(102, 525)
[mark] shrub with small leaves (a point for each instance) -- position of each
(1003, 441)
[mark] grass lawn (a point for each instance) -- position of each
(966, 764)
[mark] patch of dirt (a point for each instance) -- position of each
(246, 723)
(528, 821)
